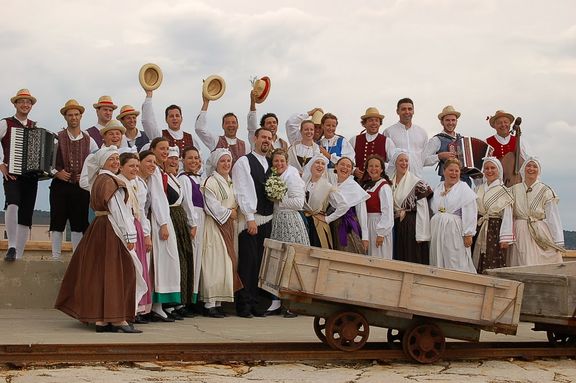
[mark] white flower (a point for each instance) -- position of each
(275, 187)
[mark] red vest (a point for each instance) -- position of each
(72, 154)
(499, 149)
(12, 122)
(373, 204)
(182, 144)
(237, 150)
(364, 149)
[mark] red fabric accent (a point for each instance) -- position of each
(364, 149)
(373, 204)
(499, 149)
(165, 182)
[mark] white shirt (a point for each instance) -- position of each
(347, 149)
(3, 130)
(293, 127)
(371, 137)
(207, 138)
(151, 126)
(414, 140)
(244, 186)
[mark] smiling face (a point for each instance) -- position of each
(449, 123)
(262, 141)
(104, 114)
(329, 127)
(192, 161)
(23, 107)
(405, 111)
(502, 126)
(230, 126)
(531, 171)
(451, 174)
(224, 165)
(174, 119)
(372, 124)
(374, 169)
(271, 123)
(318, 168)
(130, 168)
(171, 165)
(279, 163)
(161, 151)
(73, 118)
(402, 163)
(307, 131)
(344, 169)
(129, 121)
(148, 165)
(112, 137)
(112, 164)
(490, 171)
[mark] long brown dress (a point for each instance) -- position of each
(100, 282)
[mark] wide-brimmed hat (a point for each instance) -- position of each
(23, 94)
(372, 112)
(317, 117)
(113, 125)
(126, 110)
(261, 89)
(214, 87)
(105, 101)
(448, 110)
(498, 114)
(150, 76)
(71, 104)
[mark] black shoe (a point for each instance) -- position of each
(174, 315)
(245, 314)
(290, 314)
(10, 255)
(221, 311)
(105, 328)
(155, 317)
(125, 328)
(185, 313)
(141, 319)
(258, 313)
(213, 312)
(278, 311)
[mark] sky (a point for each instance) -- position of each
(343, 56)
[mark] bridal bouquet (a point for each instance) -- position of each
(275, 187)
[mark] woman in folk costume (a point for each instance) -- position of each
(301, 152)
(411, 213)
(453, 223)
(537, 226)
(495, 232)
(165, 257)
(219, 277)
(103, 282)
(129, 165)
(379, 207)
(191, 180)
(350, 229)
(318, 191)
(184, 221)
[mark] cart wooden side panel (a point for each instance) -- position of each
(401, 287)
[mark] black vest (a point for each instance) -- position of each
(259, 177)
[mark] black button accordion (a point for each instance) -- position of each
(32, 152)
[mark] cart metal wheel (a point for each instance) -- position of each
(560, 339)
(320, 328)
(347, 331)
(394, 335)
(424, 343)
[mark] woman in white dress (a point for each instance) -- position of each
(219, 278)
(191, 180)
(301, 152)
(453, 224)
(379, 208)
(537, 226)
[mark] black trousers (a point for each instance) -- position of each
(250, 252)
(68, 202)
(22, 193)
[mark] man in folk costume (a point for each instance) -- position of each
(438, 148)
(19, 190)
(104, 108)
(409, 136)
(68, 201)
(249, 176)
(129, 118)
(370, 141)
(175, 135)
(228, 140)
(268, 121)
(504, 145)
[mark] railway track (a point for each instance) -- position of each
(253, 352)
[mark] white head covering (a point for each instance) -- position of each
(95, 161)
(214, 158)
(128, 149)
(104, 153)
(173, 151)
(498, 164)
(396, 153)
(530, 159)
(307, 173)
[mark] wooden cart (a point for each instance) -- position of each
(549, 298)
(420, 305)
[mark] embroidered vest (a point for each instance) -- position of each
(182, 144)
(94, 132)
(364, 149)
(499, 149)
(259, 177)
(12, 122)
(72, 154)
(237, 150)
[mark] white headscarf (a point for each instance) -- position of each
(128, 149)
(215, 156)
(523, 167)
(96, 161)
(395, 154)
(307, 173)
(498, 164)
(173, 151)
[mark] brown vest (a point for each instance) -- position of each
(364, 149)
(12, 122)
(72, 154)
(237, 150)
(182, 144)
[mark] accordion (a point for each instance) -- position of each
(32, 152)
(471, 152)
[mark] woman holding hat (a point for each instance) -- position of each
(453, 223)
(219, 277)
(103, 281)
(494, 232)
(411, 213)
(301, 152)
(537, 226)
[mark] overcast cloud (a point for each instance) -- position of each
(344, 56)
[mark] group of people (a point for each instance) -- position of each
(170, 229)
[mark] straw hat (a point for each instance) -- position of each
(317, 117)
(127, 110)
(213, 87)
(448, 110)
(71, 104)
(105, 101)
(261, 89)
(498, 114)
(372, 112)
(113, 125)
(150, 76)
(23, 94)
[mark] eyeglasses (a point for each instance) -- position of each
(24, 101)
